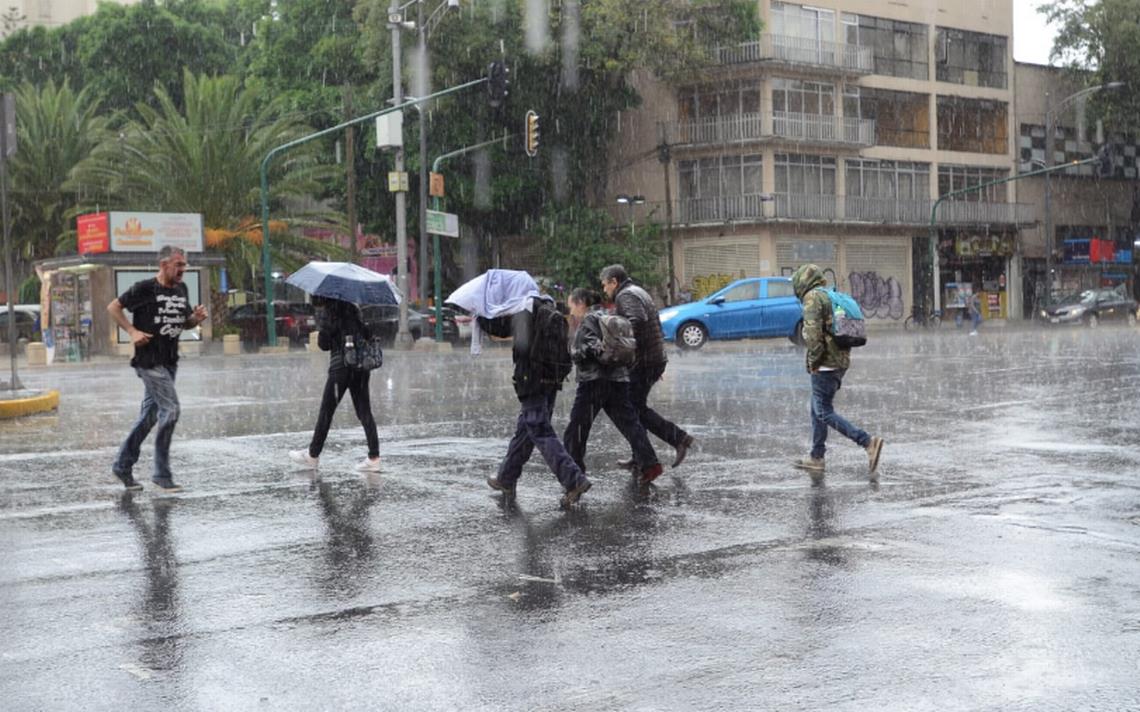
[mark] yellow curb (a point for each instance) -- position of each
(42, 403)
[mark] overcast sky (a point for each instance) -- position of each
(1032, 38)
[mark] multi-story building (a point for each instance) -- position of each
(829, 139)
(1095, 218)
(52, 13)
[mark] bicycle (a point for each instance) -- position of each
(925, 320)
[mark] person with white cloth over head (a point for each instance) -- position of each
(507, 303)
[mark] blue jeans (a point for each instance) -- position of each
(534, 430)
(159, 406)
(612, 397)
(824, 386)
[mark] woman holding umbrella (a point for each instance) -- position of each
(337, 288)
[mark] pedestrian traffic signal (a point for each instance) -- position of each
(531, 134)
(498, 83)
(1105, 161)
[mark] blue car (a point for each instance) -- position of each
(745, 309)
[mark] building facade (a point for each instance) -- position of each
(1095, 218)
(829, 139)
(52, 13)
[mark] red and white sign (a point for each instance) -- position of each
(93, 233)
(150, 232)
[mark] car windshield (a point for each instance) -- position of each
(1086, 297)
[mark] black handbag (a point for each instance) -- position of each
(365, 355)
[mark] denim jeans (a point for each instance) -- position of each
(613, 398)
(534, 430)
(159, 406)
(824, 386)
(641, 381)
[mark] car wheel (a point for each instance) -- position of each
(797, 335)
(692, 335)
(1093, 321)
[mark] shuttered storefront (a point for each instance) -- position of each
(791, 254)
(878, 276)
(733, 259)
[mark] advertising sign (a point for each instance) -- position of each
(93, 233)
(150, 232)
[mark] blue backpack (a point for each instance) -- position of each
(847, 325)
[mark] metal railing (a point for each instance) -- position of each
(823, 128)
(839, 208)
(805, 128)
(800, 50)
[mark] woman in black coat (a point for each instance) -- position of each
(340, 321)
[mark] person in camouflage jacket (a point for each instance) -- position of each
(827, 363)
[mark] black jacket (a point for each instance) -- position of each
(635, 304)
(530, 377)
(336, 320)
(585, 349)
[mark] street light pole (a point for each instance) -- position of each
(1050, 130)
(403, 338)
(424, 89)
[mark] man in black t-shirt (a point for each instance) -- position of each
(160, 311)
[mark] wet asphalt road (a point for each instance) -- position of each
(996, 566)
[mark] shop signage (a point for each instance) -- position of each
(984, 245)
(150, 232)
(93, 233)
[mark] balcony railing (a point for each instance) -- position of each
(802, 128)
(838, 208)
(848, 58)
(821, 128)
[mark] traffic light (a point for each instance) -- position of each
(1105, 161)
(532, 134)
(498, 83)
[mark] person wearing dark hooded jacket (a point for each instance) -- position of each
(338, 321)
(635, 304)
(602, 387)
(827, 362)
(538, 377)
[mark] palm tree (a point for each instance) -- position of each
(205, 158)
(58, 129)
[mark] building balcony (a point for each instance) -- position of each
(816, 129)
(829, 57)
(799, 207)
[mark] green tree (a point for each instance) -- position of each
(58, 128)
(577, 242)
(1101, 41)
(203, 155)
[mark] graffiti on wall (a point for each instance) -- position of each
(878, 297)
(706, 284)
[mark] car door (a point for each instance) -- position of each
(734, 309)
(781, 309)
(1108, 305)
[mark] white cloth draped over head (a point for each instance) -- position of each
(495, 293)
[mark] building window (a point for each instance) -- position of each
(798, 174)
(972, 125)
(901, 118)
(899, 180)
(720, 188)
(704, 103)
(899, 48)
(971, 58)
(798, 97)
(952, 177)
(808, 23)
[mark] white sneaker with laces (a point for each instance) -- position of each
(369, 465)
(302, 457)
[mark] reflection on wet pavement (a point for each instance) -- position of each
(996, 566)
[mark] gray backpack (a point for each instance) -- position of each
(619, 347)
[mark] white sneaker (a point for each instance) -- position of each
(302, 457)
(369, 465)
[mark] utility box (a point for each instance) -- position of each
(390, 130)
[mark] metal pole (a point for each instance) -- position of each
(271, 328)
(425, 81)
(403, 338)
(438, 268)
(14, 384)
(1049, 238)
